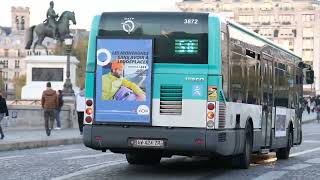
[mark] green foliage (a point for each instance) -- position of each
(19, 83)
(80, 51)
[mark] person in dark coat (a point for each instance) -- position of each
(60, 104)
(3, 112)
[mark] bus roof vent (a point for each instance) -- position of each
(170, 99)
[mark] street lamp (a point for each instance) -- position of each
(67, 87)
(1, 77)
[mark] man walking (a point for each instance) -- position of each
(49, 102)
(3, 112)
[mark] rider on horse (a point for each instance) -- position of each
(51, 19)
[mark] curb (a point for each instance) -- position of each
(308, 121)
(38, 144)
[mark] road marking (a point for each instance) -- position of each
(311, 134)
(10, 157)
(297, 166)
(311, 141)
(62, 151)
(314, 161)
(305, 152)
(88, 156)
(271, 175)
(98, 164)
(88, 170)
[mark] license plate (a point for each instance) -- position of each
(147, 143)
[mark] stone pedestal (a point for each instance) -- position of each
(41, 69)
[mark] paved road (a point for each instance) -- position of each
(79, 162)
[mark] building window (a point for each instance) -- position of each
(17, 64)
(5, 76)
(286, 19)
(266, 32)
(6, 53)
(246, 19)
(308, 17)
(307, 54)
(16, 74)
(5, 63)
(266, 19)
(286, 43)
(307, 32)
(307, 43)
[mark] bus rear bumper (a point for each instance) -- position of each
(179, 141)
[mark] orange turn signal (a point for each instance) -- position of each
(210, 115)
(89, 111)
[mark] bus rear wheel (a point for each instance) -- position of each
(243, 160)
(283, 153)
(143, 158)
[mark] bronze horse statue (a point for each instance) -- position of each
(43, 30)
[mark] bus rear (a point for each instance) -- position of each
(152, 87)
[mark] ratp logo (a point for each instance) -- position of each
(143, 110)
(103, 57)
(128, 26)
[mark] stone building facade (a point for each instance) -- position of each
(293, 24)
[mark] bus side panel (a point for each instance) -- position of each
(91, 55)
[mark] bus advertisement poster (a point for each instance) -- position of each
(123, 80)
(280, 124)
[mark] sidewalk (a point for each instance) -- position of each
(27, 139)
(308, 117)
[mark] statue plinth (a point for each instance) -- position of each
(41, 69)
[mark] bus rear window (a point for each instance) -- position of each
(178, 38)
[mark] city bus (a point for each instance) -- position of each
(160, 84)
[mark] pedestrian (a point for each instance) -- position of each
(3, 112)
(317, 107)
(49, 102)
(80, 107)
(60, 104)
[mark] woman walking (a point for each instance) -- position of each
(3, 112)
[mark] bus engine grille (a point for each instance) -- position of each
(170, 100)
(222, 115)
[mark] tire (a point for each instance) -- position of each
(143, 159)
(243, 160)
(283, 153)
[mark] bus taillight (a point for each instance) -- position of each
(211, 106)
(88, 119)
(89, 102)
(89, 111)
(210, 115)
(88, 115)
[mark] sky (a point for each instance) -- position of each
(84, 9)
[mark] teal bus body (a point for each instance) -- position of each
(201, 125)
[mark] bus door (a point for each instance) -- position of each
(267, 99)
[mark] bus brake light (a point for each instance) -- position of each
(89, 102)
(211, 106)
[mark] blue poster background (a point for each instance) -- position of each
(122, 111)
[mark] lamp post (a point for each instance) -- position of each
(67, 87)
(1, 75)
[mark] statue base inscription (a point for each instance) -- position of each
(41, 69)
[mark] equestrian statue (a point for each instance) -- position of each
(52, 28)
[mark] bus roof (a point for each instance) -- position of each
(256, 35)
